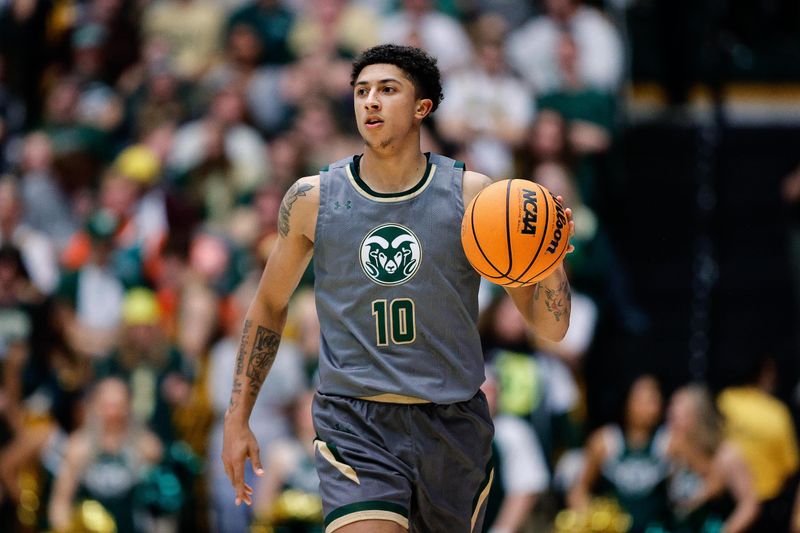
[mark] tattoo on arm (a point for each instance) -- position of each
(262, 356)
(235, 392)
(557, 301)
(295, 191)
(242, 348)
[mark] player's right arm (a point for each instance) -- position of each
(263, 327)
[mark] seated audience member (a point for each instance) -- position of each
(154, 370)
(288, 497)
(520, 469)
(761, 427)
(532, 49)
(710, 486)
(105, 460)
(487, 109)
(627, 460)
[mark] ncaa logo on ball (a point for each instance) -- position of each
(390, 254)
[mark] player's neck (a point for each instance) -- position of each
(395, 171)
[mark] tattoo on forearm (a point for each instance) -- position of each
(557, 301)
(262, 356)
(235, 392)
(295, 191)
(242, 348)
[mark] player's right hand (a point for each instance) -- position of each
(239, 444)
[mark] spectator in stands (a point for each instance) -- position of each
(191, 30)
(533, 49)
(19, 300)
(333, 27)
(155, 371)
(417, 23)
(487, 110)
(535, 386)
(761, 427)
(80, 150)
(710, 486)
(520, 469)
(588, 111)
(242, 68)
(627, 460)
(273, 21)
(38, 253)
(159, 99)
(219, 160)
(46, 206)
(90, 297)
(292, 475)
(105, 460)
(12, 119)
(320, 136)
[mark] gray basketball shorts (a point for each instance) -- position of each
(426, 467)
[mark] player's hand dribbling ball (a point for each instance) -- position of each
(515, 233)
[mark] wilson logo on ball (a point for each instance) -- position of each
(561, 221)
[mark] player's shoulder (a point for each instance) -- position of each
(473, 183)
(299, 206)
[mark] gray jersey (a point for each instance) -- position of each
(396, 297)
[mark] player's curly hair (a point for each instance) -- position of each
(419, 66)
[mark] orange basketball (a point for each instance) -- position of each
(514, 233)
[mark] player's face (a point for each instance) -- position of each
(385, 105)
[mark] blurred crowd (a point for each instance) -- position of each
(145, 146)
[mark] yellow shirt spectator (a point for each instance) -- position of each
(762, 428)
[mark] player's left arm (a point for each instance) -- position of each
(546, 305)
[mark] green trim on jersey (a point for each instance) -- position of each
(426, 176)
(461, 165)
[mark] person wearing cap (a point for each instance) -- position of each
(155, 370)
(129, 195)
(90, 293)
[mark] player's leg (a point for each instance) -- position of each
(371, 526)
(363, 484)
(454, 471)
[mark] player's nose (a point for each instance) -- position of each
(372, 101)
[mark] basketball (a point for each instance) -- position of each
(515, 233)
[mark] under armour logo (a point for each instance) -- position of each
(338, 205)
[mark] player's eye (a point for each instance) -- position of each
(388, 89)
(361, 92)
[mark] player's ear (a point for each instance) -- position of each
(423, 108)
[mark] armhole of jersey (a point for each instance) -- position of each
(321, 211)
(458, 174)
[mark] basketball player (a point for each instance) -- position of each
(403, 434)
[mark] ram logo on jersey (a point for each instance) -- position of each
(390, 254)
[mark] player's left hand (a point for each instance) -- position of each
(568, 213)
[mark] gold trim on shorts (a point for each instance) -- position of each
(346, 470)
(481, 500)
(388, 397)
(367, 515)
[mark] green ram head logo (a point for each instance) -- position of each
(390, 254)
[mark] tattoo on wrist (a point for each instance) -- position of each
(265, 348)
(295, 191)
(236, 391)
(558, 301)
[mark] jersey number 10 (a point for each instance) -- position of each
(395, 318)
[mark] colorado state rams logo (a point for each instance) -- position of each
(390, 254)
